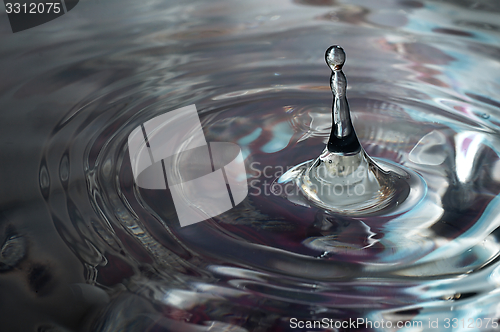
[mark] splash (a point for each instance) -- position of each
(344, 179)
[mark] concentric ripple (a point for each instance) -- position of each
(421, 96)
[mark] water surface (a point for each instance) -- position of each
(82, 243)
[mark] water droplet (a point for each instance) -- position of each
(344, 179)
(343, 139)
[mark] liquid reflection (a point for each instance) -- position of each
(41, 280)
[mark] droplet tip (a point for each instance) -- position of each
(335, 57)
